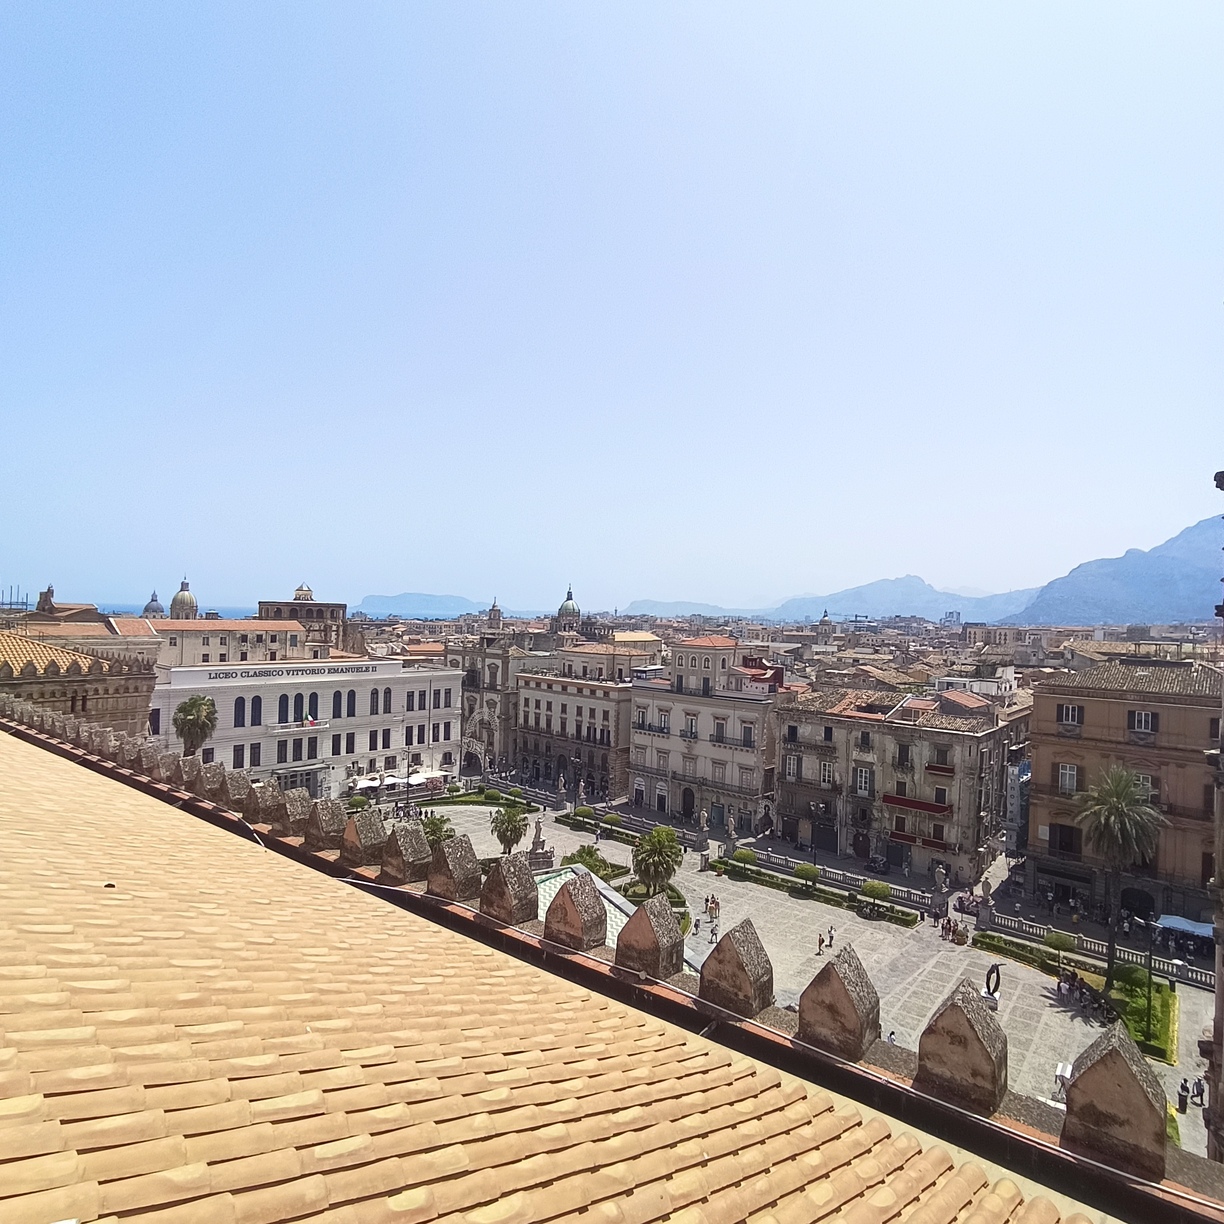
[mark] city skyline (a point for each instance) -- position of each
(728, 305)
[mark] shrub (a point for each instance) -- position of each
(454, 788)
(1131, 977)
(613, 818)
(492, 794)
(876, 890)
(583, 813)
(809, 873)
(747, 857)
(357, 802)
(1060, 941)
(516, 792)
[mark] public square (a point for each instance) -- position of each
(913, 970)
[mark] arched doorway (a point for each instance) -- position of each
(862, 845)
(471, 763)
(1139, 901)
(661, 802)
(688, 803)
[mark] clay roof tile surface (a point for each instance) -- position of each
(228, 1036)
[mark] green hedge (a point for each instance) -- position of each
(623, 836)
(748, 857)
(477, 799)
(804, 891)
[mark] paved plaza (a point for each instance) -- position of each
(913, 970)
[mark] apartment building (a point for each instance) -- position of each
(572, 728)
(1159, 717)
(914, 779)
(702, 738)
(321, 624)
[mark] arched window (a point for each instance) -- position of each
(312, 706)
(239, 711)
(386, 701)
(299, 707)
(705, 663)
(337, 704)
(723, 663)
(373, 701)
(350, 707)
(256, 711)
(276, 614)
(282, 708)
(693, 662)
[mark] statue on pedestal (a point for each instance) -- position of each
(941, 878)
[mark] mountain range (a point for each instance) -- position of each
(1178, 580)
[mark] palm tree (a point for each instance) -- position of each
(437, 828)
(1123, 828)
(509, 827)
(656, 857)
(195, 720)
(587, 856)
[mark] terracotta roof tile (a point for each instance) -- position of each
(228, 1038)
(17, 650)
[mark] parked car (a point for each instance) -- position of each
(877, 864)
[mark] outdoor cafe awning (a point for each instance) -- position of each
(1171, 922)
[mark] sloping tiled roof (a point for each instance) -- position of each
(18, 650)
(225, 1037)
(1155, 676)
(135, 626)
(713, 642)
(68, 629)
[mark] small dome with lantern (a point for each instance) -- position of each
(183, 605)
(153, 610)
(303, 594)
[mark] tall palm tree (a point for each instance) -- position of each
(195, 720)
(437, 828)
(509, 826)
(656, 858)
(1122, 828)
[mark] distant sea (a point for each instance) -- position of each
(137, 609)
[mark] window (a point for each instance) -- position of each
(373, 701)
(1149, 787)
(422, 704)
(312, 747)
(1213, 730)
(690, 725)
(941, 756)
(937, 832)
(420, 733)
(386, 738)
(173, 640)
(899, 824)
(864, 739)
(242, 656)
(386, 701)
(746, 735)
(790, 767)
(446, 699)
(272, 638)
(312, 707)
(282, 751)
(448, 758)
(224, 641)
(206, 756)
(256, 711)
(389, 763)
(204, 657)
(374, 741)
(903, 758)
(899, 788)
(293, 639)
(297, 749)
(299, 707)
(862, 781)
(336, 744)
(350, 743)
(337, 704)
(828, 735)
(718, 771)
(436, 732)
(221, 658)
(350, 704)
(259, 639)
(705, 663)
(239, 711)
(154, 720)
(826, 773)
(437, 700)
(1143, 720)
(693, 662)
(792, 734)
(664, 720)
(282, 708)
(243, 639)
(941, 796)
(410, 701)
(205, 641)
(1067, 779)
(256, 752)
(446, 731)
(723, 663)
(1070, 715)
(272, 656)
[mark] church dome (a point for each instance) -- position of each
(153, 609)
(183, 605)
(569, 607)
(303, 593)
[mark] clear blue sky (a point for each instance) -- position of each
(670, 301)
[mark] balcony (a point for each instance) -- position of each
(305, 725)
(825, 788)
(1063, 856)
(725, 741)
(906, 766)
(940, 771)
(1070, 730)
(728, 788)
(1145, 738)
(689, 735)
(652, 728)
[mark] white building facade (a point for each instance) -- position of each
(317, 724)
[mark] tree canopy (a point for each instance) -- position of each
(195, 720)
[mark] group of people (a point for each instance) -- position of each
(820, 942)
(1196, 1095)
(713, 907)
(1072, 989)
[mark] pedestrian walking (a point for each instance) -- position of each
(830, 935)
(714, 933)
(892, 1037)
(706, 906)
(820, 946)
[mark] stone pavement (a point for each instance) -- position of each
(913, 970)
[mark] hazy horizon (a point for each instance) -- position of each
(724, 303)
